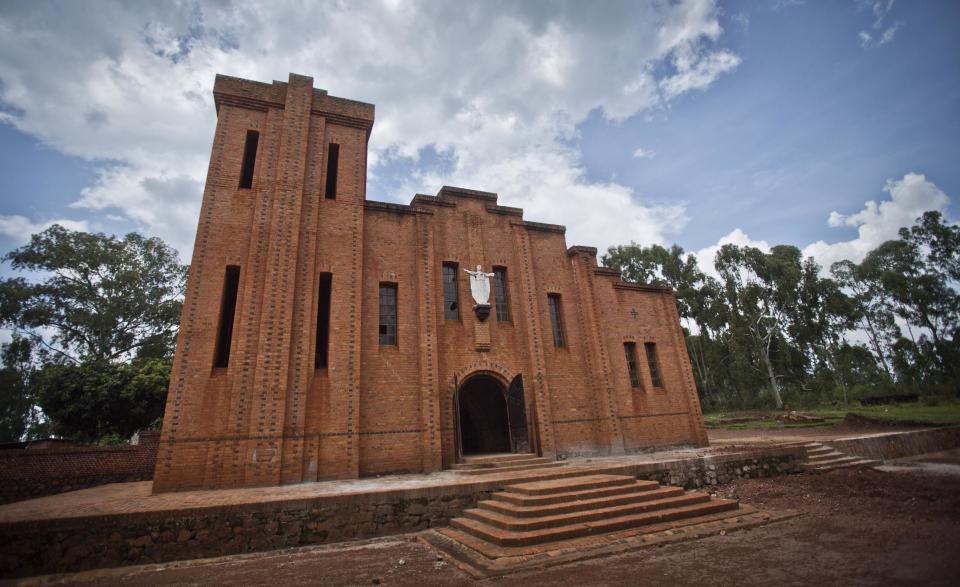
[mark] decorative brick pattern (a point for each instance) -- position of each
(271, 417)
(126, 525)
(29, 473)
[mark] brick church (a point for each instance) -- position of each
(325, 335)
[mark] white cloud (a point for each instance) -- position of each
(876, 223)
(496, 87)
(883, 33)
(641, 153)
(19, 228)
(698, 72)
(706, 255)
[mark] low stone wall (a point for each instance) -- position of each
(50, 546)
(29, 473)
(900, 444)
(702, 472)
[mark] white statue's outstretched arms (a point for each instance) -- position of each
(480, 285)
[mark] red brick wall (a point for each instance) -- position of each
(28, 473)
(272, 418)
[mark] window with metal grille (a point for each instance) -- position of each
(630, 349)
(651, 349)
(500, 293)
(388, 314)
(553, 300)
(451, 303)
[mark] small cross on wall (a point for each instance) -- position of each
(634, 313)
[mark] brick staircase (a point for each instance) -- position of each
(533, 522)
(503, 463)
(823, 457)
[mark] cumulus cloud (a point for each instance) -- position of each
(910, 197)
(876, 223)
(706, 255)
(496, 88)
(19, 228)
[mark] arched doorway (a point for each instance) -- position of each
(484, 424)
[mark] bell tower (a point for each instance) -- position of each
(257, 378)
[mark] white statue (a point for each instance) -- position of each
(480, 286)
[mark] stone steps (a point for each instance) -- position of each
(491, 550)
(496, 458)
(519, 468)
(584, 513)
(482, 559)
(542, 500)
(540, 512)
(823, 457)
(504, 537)
(510, 509)
(503, 463)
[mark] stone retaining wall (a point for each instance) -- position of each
(29, 548)
(900, 444)
(29, 473)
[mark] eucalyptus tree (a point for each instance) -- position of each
(101, 313)
(93, 296)
(919, 273)
(763, 290)
(871, 308)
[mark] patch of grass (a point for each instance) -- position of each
(764, 419)
(945, 413)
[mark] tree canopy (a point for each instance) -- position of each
(98, 297)
(772, 328)
(93, 332)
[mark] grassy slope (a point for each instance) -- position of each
(947, 412)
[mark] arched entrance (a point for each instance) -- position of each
(483, 419)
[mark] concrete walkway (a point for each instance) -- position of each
(136, 498)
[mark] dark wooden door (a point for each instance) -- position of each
(517, 414)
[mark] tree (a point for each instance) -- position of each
(101, 316)
(95, 399)
(102, 298)
(762, 289)
(918, 275)
(18, 415)
(870, 307)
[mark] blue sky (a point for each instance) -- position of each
(810, 122)
(694, 122)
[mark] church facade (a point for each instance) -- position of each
(325, 335)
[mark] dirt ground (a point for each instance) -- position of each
(864, 527)
(726, 437)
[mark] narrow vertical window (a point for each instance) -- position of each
(388, 314)
(651, 349)
(333, 163)
(500, 293)
(323, 320)
(249, 159)
(451, 302)
(630, 349)
(555, 321)
(228, 307)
